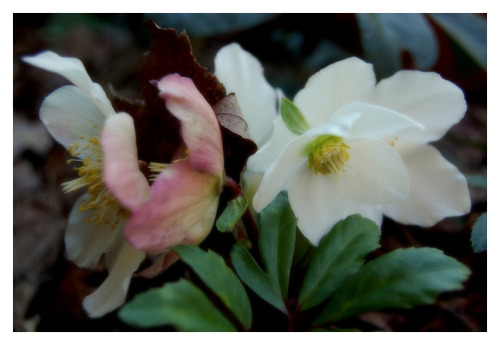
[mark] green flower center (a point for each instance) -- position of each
(106, 209)
(327, 154)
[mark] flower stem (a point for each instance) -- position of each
(247, 218)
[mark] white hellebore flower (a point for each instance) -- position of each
(243, 74)
(75, 117)
(363, 148)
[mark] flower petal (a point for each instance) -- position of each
(73, 70)
(67, 113)
(87, 242)
(181, 209)
(437, 189)
(112, 293)
(277, 177)
(285, 164)
(161, 263)
(242, 73)
(319, 203)
(425, 97)
(333, 86)
(200, 128)
(121, 170)
(374, 173)
(375, 122)
(266, 155)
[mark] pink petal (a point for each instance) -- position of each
(160, 264)
(121, 169)
(181, 209)
(200, 128)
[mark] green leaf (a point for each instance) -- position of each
(256, 279)
(402, 278)
(212, 269)
(292, 117)
(468, 30)
(277, 225)
(339, 254)
(385, 36)
(180, 304)
(479, 232)
(235, 209)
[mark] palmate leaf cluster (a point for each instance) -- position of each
(336, 282)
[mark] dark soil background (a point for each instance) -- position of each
(48, 289)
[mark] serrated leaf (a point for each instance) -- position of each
(213, 271)
(479, 234)
(252, 275)
(468, 30)
(234, 210)
(385, 36)
(277, 225)
(292, 117)
(339, 254)
(180, 304)
(403, 278)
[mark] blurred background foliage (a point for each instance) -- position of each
(48, 290)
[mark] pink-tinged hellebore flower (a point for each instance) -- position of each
(365, 150)
(75, 116)
(184, 197)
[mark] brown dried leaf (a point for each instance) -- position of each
(236, 141)
(228, 113)
(158, 132)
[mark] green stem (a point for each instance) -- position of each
(247, 218)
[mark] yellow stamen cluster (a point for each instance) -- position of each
(106, 209)
(327, 154)
(156, 169)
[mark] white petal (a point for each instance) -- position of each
(112, 293)
(279, 174)
(426, 98)
(266, 155)
(375, 173)
(333, 86)
(86, 242)
(319, 203)
(338, 126)
(251, 182)
(437, 189)
(67, 113)
(375, 122)
(73, 70)
(242, 73)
